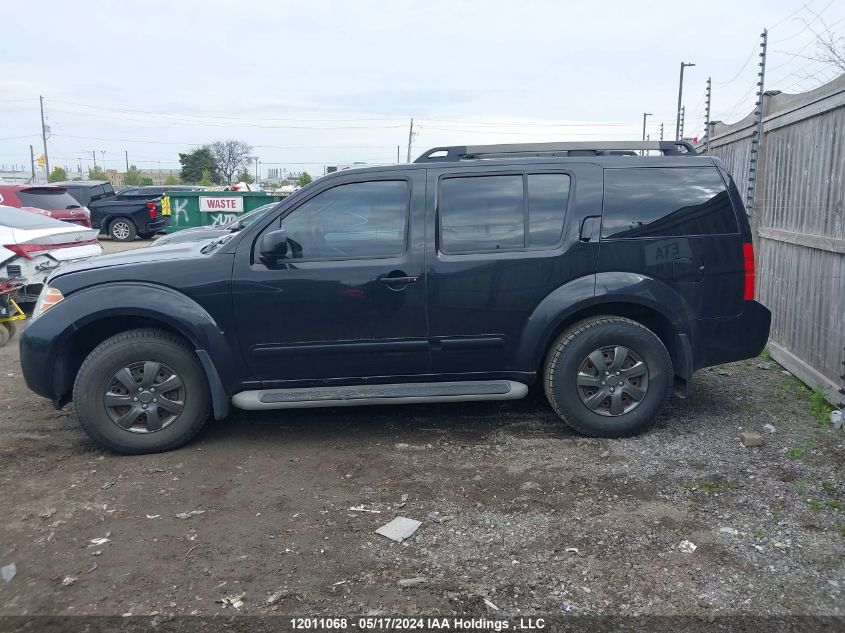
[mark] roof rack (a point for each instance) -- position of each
(529, 150)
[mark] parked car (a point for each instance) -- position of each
(151, 192)
(50, 200)
(33, 246)
(200, 233)
(602, 277)
(120, 219)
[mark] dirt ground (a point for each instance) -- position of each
(515, 508)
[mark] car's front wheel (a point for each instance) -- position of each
(141, 391)
(608, 376)
(122, 230)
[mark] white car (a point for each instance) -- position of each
(32, 246)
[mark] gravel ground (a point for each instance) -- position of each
(516, 510)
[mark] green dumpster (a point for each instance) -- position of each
(210, 208)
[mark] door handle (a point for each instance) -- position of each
(589, 227)
(398, 280)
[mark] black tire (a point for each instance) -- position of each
(5, 335)
(122, 230)
(11, 327)
(130, 348)
(570, 354)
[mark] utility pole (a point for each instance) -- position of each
(94, 154)
(257, 177)
(410, 139)
(680, 98)
(126, 153)
(645, 114)
(44, 137)
(756, 135)
(103, 154)
(707, 119)
(32, 162)
(397, 154)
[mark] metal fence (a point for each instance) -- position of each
(799, 224)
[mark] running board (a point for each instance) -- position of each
(402, 393)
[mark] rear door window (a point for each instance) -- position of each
(493, 213)
(666, 202)
(47, 199)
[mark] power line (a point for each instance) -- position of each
(806, 24)
(229, 125)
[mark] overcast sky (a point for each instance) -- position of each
(311, 83)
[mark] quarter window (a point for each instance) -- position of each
(363, 219)
(548, 196)
(491, 213)
(662, 202)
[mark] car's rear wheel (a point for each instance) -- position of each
(122, 230)
(608, 376)
(141, 391)
(5, 334)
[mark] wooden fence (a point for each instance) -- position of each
(799, 225)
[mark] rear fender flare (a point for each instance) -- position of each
(587, 294)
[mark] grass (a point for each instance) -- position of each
(830, 488)
(820, 409)
(833, 504)
(801, 487)
(798, 452)
(777, 511)
(842, 530)
(707, 487)
(815, 505)
(765, 354)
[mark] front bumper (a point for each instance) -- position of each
(725, 340)
(38, 370)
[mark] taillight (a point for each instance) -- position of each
(153, 209)
(748, 262)
(28, 250)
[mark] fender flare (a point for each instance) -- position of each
(589, 292)
(164, 304)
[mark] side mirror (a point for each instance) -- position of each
(274, 245)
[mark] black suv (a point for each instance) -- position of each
(605, 276)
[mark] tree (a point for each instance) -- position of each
(245, 176)
(304, 178)
(230, 157)
(195, 165)
(58, 175)
(132, 177)
(205, 181)
(172, 179)
(145, 181)
(96, 173)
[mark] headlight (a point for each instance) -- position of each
(46, 300)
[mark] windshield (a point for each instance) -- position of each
(47, 199)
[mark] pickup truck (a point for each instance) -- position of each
(120, 219)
